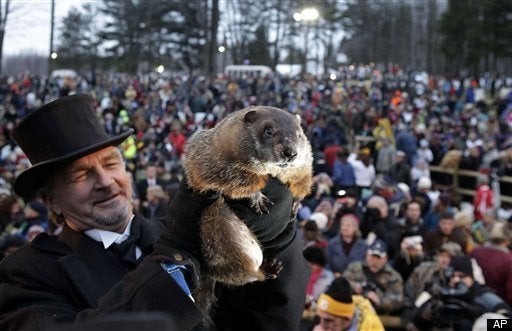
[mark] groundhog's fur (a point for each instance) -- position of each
(236, 158)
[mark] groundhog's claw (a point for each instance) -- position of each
(260, 203)
(271, 268)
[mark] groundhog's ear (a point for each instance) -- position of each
(299, 119)
(251, 116)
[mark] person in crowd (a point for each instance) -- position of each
(400, 171)
(312, 234)
(480, 228)
(421, 193)
(446, 231)
(419, 169)
(484, 197)
(378, 223)
(320, 276)
(364, 169)
(36, 214)
(376, 280)
(463, 221)
(339, 309)
(348, 246)
(346, 202)
(459, 300)
(385, 156)
(429, 272)
(156, 205)
(150, 180)
(108, 261)
(343, 175)
(424, 152)
(495, 259)
(406, 141)
(412, 224)
(11, 211)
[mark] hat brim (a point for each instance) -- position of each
(28, 183)
(377, 253)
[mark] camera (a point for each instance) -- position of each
(368, 287)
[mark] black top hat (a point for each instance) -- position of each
(57, 134)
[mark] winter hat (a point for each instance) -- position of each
(315, 255)
(310, 226)
(451, 248)
(462, 264)
(320, 219)
(337, 300)
(424, 182)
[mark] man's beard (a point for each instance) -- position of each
(116, 219)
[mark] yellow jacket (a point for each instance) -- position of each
(365, 315)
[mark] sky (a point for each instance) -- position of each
(28, 25)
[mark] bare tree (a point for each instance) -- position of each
(4, 13)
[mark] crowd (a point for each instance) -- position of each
(376, 218)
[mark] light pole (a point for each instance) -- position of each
(307, 15)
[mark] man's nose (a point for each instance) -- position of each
(103, 178)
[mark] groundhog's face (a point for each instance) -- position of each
(279, 138)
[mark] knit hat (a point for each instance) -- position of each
(462, 264)
(320, 219)
(315, 255)
(424, 182)
(337, 300)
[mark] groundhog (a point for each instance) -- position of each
(236, 158)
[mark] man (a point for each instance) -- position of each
(107, 262)
(150, 180)
(339, 309)
(400, 171)
(376, 280)
(460, 300)
(379, 223)
(446, 231)
(495, 259)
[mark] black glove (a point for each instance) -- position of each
(183, 227)
(274, 229)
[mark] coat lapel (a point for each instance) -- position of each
(92, 269)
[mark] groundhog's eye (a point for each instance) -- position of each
(269, 132)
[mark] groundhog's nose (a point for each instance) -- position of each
(289, 153)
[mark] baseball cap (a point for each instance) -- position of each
(379, 248)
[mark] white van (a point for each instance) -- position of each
(243, 71)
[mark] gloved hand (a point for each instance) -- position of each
(273, 229)
(183, 227)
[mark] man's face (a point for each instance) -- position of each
(93, 192)
(376, 262)
(329, 322)
(446, 225)
(151, 172)
(413, 211)
(443, 259)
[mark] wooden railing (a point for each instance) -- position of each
(458, 176)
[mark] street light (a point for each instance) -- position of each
(307, 15)
(54, 55)
(160, 69)
(222, 49)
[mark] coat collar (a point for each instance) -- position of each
(92, 269)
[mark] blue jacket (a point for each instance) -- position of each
(338, 261)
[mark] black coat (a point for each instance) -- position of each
(73, 278)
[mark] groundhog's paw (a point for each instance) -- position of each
(271, 268)
(260, 203)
